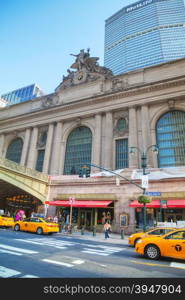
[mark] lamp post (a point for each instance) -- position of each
(143, 154)
(71, 201)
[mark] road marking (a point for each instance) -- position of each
(149, 264)
(6, 272)
(44, 242)
(177, 265)
(10, 252)
(58, 263)
(104, 247)
(78, 262)
(29, 276)
(97, 253)
(172, 265)
(17, 249)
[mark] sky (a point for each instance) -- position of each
(37, 37)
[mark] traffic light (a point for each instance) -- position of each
(88, 172)
(80, 173)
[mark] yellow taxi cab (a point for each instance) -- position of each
(157, 231)
(170, 245)
(36, 224)
(6, 221)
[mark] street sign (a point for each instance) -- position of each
(144, 179)
(153, 194)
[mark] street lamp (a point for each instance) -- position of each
(144, 153)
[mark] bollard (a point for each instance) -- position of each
(122, 234)
(60, 227)
(70, 229)
(82, 230)
(94, 230)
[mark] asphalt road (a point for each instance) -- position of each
(28, 255)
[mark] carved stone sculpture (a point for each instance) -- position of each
(87, 70)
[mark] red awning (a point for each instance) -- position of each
(79, 203)
(176, 203)
(153, 204)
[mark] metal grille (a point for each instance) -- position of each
(170, 132)
(78, 149)
(40, 160)
(14, 150)
(121, 153)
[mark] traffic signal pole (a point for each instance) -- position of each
(130, 181)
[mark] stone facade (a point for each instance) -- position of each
(140, 97)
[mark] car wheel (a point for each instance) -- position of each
(136, 240)
(39, 230)
(17, 227)
(152, 252)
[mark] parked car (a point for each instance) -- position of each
(134, 238)
(38, 225)
(170, 245)
(6, 221)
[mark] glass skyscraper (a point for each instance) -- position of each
(143, 34)
(23, 94)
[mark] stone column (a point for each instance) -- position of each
(56, 149)
(32, 150)
(145, 126)
(2, 139)
(96, 157)
(108, 149)
(62, 157)
(48, 148)
(25, 147)
(133, 139)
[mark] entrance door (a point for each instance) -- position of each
(86, 218)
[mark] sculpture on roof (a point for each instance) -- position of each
(86, 69)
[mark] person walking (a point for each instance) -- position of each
(107, 228)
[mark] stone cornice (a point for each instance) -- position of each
(98, 99)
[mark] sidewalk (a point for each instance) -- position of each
(115, 238)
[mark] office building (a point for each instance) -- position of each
(143, 34)
(23, 94)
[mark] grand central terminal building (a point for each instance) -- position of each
(96, 118)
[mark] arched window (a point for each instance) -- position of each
(170, 132)
(78, 149)
(14, 150)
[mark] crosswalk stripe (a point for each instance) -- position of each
(93, 252)
(78, 262)
(6, 272)
(104, 247)
(177, 265)
(58, 263)
(29, 276)
(17, 249)
(10, 252)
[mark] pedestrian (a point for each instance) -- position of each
(55, 219)
(107, 229)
